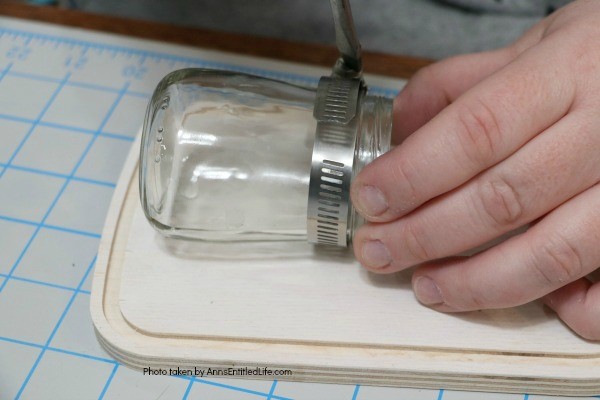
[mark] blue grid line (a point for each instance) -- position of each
(188, 389)
(36, 122)
(58, 175)
(42, 283)
(52, 227)
(66, 183)
(193, 380)
(56, 327)
(16, 119)
(86, 131)
(117, 136)
(83, 85)
(110, 378)
(21, 342)
(5, 71)
(81, 355)
(273, 385)
(66, 127)
(57, 350)
(355, 394)
(18, 220)
(237, 388)
(69, 230)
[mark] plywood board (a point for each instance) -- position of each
(289, 305)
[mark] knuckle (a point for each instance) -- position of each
(420, 75)
(405, 176)
(477, 301)
(425, 74)
(479, 132)
(558, 261)
(432, 76)
(500, 201)
(417, 247)
(473, 298)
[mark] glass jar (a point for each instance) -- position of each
(226, 156)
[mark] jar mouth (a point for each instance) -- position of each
(373, 140)
(375, 131)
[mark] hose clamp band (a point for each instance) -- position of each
(329, 208)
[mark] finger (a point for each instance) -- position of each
(478, 130)
(436, 86)
(578, 305)
(560, 249)
(543, 174)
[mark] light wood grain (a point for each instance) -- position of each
(296, 294)
(313, 313)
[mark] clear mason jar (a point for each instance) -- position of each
(226, 156)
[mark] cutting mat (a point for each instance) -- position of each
(71, 102)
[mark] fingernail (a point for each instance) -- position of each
(427, 291)
(371, 201)
(375, 254)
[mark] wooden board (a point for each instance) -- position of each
(159, 303)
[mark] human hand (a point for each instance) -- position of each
(491, 142)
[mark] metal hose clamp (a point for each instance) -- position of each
(336, 109)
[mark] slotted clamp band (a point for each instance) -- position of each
(329, 209)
